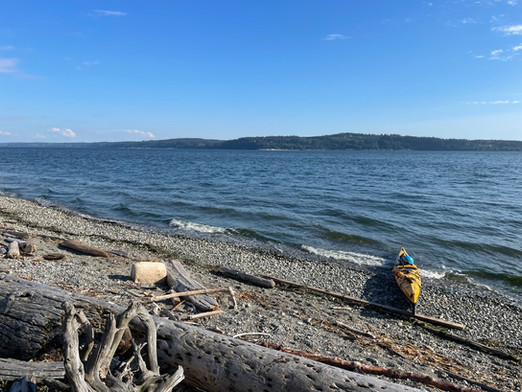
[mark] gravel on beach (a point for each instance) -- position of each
(297, 319)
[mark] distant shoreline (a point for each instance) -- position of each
(341, 141)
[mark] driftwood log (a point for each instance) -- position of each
(14, 233)
(179, 280)
(254, 279)
(13, 369)
(31, 316)
(82, 247)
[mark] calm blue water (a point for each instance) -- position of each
(459, 214)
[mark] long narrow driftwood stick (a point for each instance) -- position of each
(206, 314)
(187, 293)
(353, 330)
(470, 343)
(373, 305)
(242, 335)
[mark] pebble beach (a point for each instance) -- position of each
(297, 319)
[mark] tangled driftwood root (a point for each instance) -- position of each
(95, 367)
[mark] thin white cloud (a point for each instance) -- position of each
(91, 63)
(67, 132)
(497, 102)
(493, 2)
(500, 55)
(6, 47)
(4, 133)
(87, 64)
(334, 37)
(107, 13)
(142, 133)
(509, 30)
(8, 65)
(468, 21)
(503, 54)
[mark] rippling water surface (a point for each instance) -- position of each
(458, 213)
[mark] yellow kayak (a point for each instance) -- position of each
(407, 276)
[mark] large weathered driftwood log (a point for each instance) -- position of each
(31, 316)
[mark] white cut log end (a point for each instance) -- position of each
(146, 272)
(13, 251)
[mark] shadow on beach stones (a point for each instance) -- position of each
(382, 289)
(119, 277)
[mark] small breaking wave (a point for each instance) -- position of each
(432, 274)
(7, 193)
(352, 257)
(194, 227)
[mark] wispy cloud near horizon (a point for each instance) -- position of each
(142, 133)
(67, 132)
(497, 102)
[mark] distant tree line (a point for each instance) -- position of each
(357, 141)
(341, 141)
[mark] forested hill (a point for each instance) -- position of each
(341, 141)
(358, 141)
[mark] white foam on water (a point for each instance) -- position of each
(353, 257)
(196, 227)
(432, 274)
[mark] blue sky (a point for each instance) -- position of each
(74, 70)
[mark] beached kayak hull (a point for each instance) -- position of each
(407, 277)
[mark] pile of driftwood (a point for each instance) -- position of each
(33, 315)
(37, 317)
(15, 244)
